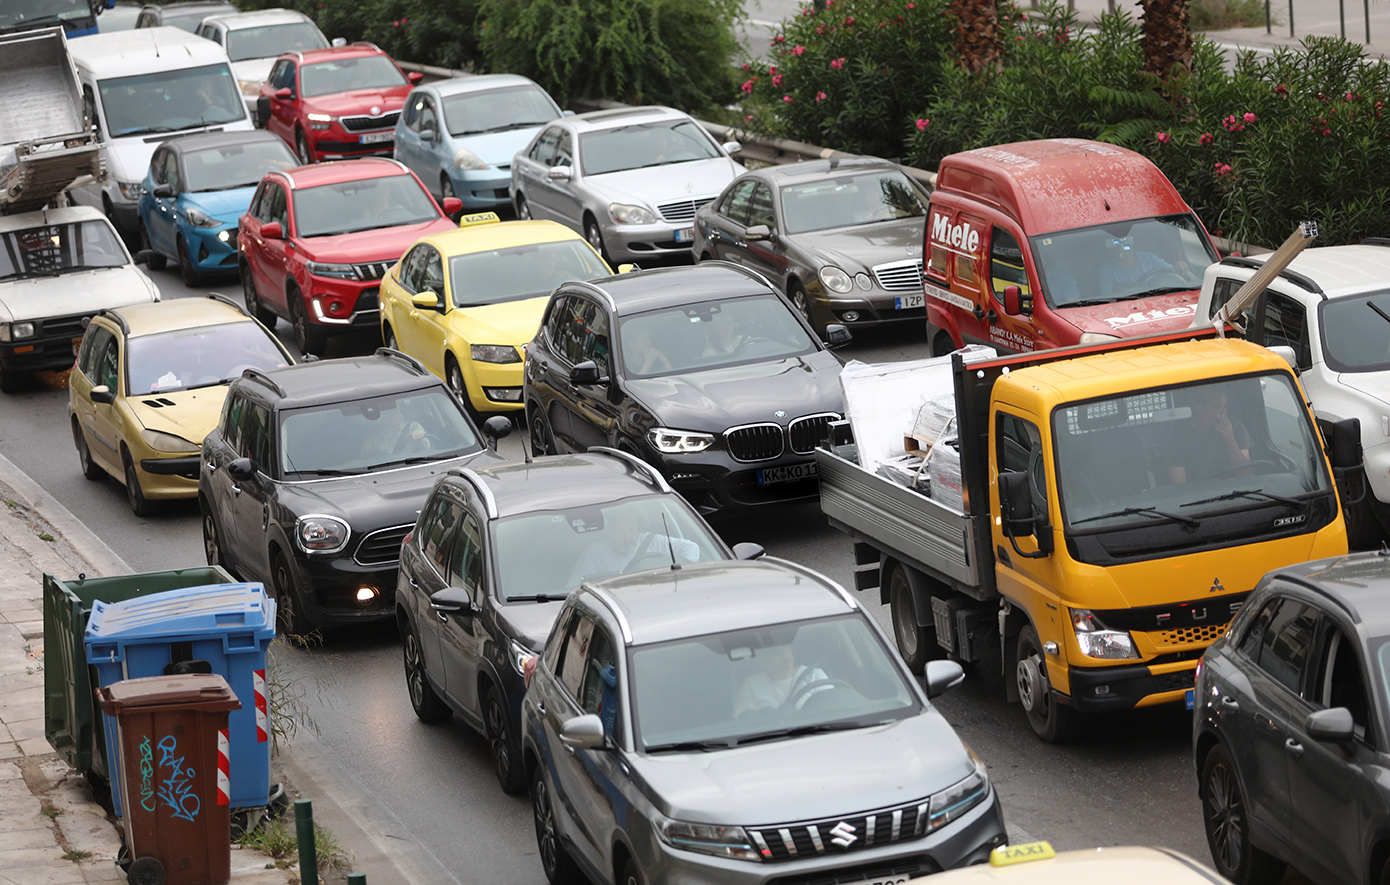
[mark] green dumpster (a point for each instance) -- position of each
(69, 707)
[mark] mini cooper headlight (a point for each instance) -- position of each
(720, 841)
(835, 279)
(321, 534)
(494, 353)
(627, 213)
(167, 442)
(679, 442)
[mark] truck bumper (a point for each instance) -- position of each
(1106, 689)
(38, 354)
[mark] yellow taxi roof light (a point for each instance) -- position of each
(479, 218)
(1005, 855)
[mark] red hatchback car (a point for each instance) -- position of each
(335, 104)
(317, 239)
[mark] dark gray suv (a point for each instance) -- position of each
(743, 723)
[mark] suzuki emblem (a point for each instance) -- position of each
(780, 414)
(375, 110)
(1216, 586)
(844, 834)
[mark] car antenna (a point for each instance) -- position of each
(671, 548)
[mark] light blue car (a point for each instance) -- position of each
(196, 191)
(459, 135)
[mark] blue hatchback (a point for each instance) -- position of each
(459, 136)
(195, 191)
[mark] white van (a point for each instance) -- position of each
(140, 88)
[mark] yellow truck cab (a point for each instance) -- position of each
(1119, 503)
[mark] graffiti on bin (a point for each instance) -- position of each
(146, 774)
(176, 789)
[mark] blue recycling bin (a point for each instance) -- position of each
(218, 628)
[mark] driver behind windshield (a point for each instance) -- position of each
(1126, 264)
(622, 543)
(779, 681)
(1209, 443)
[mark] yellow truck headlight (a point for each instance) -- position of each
(1098, 642)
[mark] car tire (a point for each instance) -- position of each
(1052, 721)
(453, 376)
(523, 208)
(941, 343)
(506, 754)
(446, 188)
(155, 261)
(254, 307)
(388, 338)
(796, 293)
(212, 539)
(1225, 817)
(559, 867)
(916, 644)
(428, 706)
(134, 495)
(12, 381)
(629, 875)
(189, 276)
(309, 338)
(84, 454)
(595, 238)
(289, 614)
(542, 440)
(301, 148)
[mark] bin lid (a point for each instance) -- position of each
(191, 691)
(185, 613)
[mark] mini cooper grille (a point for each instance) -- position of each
(362, 124)
(382, 547)
(1189, 635)
(809, 432)
(900, 276)
(682, 210)
(372, 270)
(756, 442)
(840, 834)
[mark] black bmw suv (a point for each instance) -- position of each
(316, 472)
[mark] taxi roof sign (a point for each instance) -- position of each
(1006, 855)
(479, 218)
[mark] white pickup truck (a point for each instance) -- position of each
(1331, 307)
(58, 267)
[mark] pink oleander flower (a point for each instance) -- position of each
(1249, 117)
(776, 79)
(922, 124)
(780, 38)
(1204, 139)
(748, 119)
(837, 63)
(820, 97)
(747, 87)
(1164, 138)
(1222, 169)
(797, 50)
(787, 98)
(849, 21)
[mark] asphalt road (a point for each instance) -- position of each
(1129, 780)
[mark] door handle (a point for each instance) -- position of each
(540, 708)
(992, 316)
(236, 489)
(1293, 746)
(1230, 703)
(443, 618)
(978, 311)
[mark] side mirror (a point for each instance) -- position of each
(427, 135)
(144, 256)
(339, 41)
(454, 601)
(748, 550)
(942, 676)
(1334, 725)
(732, 147)
(1012, 305)
(414, 77)
(284, 93)
(1344, 448)
(241, 469)
(757, 232)
(1283, 350)
(837, 335)
(558, 173)
(453, 206)
(272, 231)
(567, 113)
(165, 192)
(425, 300)
(583, 733)
(102, 394)
(586, 373)
(495, 428)
(1016, 503)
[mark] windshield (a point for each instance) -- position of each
(384, 431)
(594, 542)
(519, 272)
(367, 204)
(1356, 332)
(644, 144)
(199, 357)
(471, 113)
(59, 248)
(168, 101)
(235, 165)
(711, 334)
(746, 686)
(273, 40)
(189, 21)
(1181, 454)
(22, 12)
(849, 200)
(347, 74)
(1123, 260)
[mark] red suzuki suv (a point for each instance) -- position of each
(334, 104)
(317, 240)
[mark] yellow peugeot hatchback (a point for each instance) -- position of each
(148, 385)
(465, 302)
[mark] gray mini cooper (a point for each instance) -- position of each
(740, 723)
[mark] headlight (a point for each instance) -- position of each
(16, 331)
(466, 159)
(494, 353)
(199, 219)
(730, 842)
(339, 271)
(1098, 642)
(251, 88)
(168, 443)
(320, 121)
(1097, 338)
(131, 190)
(518, 656)
(679, 442)
(321, 534)
(951, 803)
(835, 279)
(626, 213)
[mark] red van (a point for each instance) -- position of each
(1052, 243)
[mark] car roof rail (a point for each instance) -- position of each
(615, 608)
(365, 43)
(404, 359)
(585, 284)
(262, 377)
(1301, 281)
(746, 271)
(812, 573)
(218, 296)
(640, 466)
(1376, 241)
(489, 500)
(116, 315)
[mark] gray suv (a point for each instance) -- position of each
(738, 723)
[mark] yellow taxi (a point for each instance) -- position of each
(148, 385)
(465, 302)
(1036, 863)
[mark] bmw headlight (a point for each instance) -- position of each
(1097, 338)
(518, 655)
(626, 213)
(338, 271)
(720, 841)
(16, 331)
(954, 801)
(198, 218)
(168, 443)
(131, 190)
(679, 442)
(835, 279)
(321, 534)
(467, 160)
(494, 353)
(1098, 642)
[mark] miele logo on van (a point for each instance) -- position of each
(1150, 316)
(961, 236)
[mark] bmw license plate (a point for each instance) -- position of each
(1190, 696)
(685, 235)
(905, 301)
(377, 137)
(790, 473)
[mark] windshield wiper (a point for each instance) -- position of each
(1186, 521)
(1094, 302)
(684, 746)
(1376, 307)
(538, 597)
(416, 459)
(322, 471)
(799, 731)
(1161, 290)
(1251, 493)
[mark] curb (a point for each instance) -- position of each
(101, 558)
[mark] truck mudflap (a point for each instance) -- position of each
(1107, 689)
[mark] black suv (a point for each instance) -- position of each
(496, 551)
(317, 471)
(1291, 732)
(706, 372)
